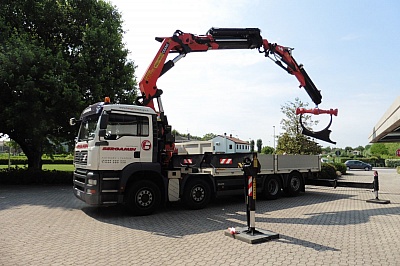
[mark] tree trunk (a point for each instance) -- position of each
(33, 153)
(35, 160)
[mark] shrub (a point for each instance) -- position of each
(392, 162)
(341, 167)
(24, 176)
(328, 171)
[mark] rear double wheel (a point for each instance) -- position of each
(272, 187)
(294, 184)
(197, 194)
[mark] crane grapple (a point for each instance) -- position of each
(323, 134)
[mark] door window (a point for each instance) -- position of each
(120, 125)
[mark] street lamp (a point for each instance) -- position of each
(274, 139)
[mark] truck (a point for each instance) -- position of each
(126, 154)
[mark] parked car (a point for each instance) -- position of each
(355, 164)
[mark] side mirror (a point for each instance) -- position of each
(104, 121)
(102, 133)
(72, 121)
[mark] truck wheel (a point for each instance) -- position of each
(197, 194)
(272, 187)
(143, 198)
(294, 184)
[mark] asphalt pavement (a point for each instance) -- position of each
(47, 225)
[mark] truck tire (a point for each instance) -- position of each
(294, 184)
(272, 187)
(197, 194)
(143, 198)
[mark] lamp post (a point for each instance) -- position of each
(274, 139)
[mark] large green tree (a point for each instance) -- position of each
(292, 141)
(56, 57)
(379, 149)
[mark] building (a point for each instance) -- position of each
(4, 146)
(388, 127)
(219, 144)
(225, 144)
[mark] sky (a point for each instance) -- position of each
(350, 49)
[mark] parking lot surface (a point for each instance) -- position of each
(47, 225)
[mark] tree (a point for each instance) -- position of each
(291, 123)
(348, 150)
(252, 143)
(327, 150)
(298, 144)
(208, 136)
(378, 149)
(56, 57)
(13, 147)
(267, 150)
(259, 145)
(292, 141)
(392, 148)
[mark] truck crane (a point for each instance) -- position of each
(125, 154)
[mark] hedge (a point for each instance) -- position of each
(23, 176)
(392, 162)
(23, 161)
(373, 160)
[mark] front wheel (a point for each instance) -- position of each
(272, 187)
(197, 194)
(143, 197)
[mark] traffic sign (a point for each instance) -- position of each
(398, 152)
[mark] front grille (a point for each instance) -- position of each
(80, 157)
(80, 179)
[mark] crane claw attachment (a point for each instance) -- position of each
(323, 134)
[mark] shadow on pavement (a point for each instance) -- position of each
(174, 221)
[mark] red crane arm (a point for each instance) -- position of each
(218, 38)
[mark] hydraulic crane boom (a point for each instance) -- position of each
(215, 39)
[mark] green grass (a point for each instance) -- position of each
(58, 167)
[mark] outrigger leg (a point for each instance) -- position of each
(323, 134)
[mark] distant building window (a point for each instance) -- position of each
(230, 146)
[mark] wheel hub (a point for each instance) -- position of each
(294, 183)
(198, 194)
(144, 198)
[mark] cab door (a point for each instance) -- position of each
(127, 135)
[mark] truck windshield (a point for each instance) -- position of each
(88, 128)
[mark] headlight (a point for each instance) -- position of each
(92, 182)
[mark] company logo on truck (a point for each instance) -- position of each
(146, 145)
(82, 146)
(119, 149)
